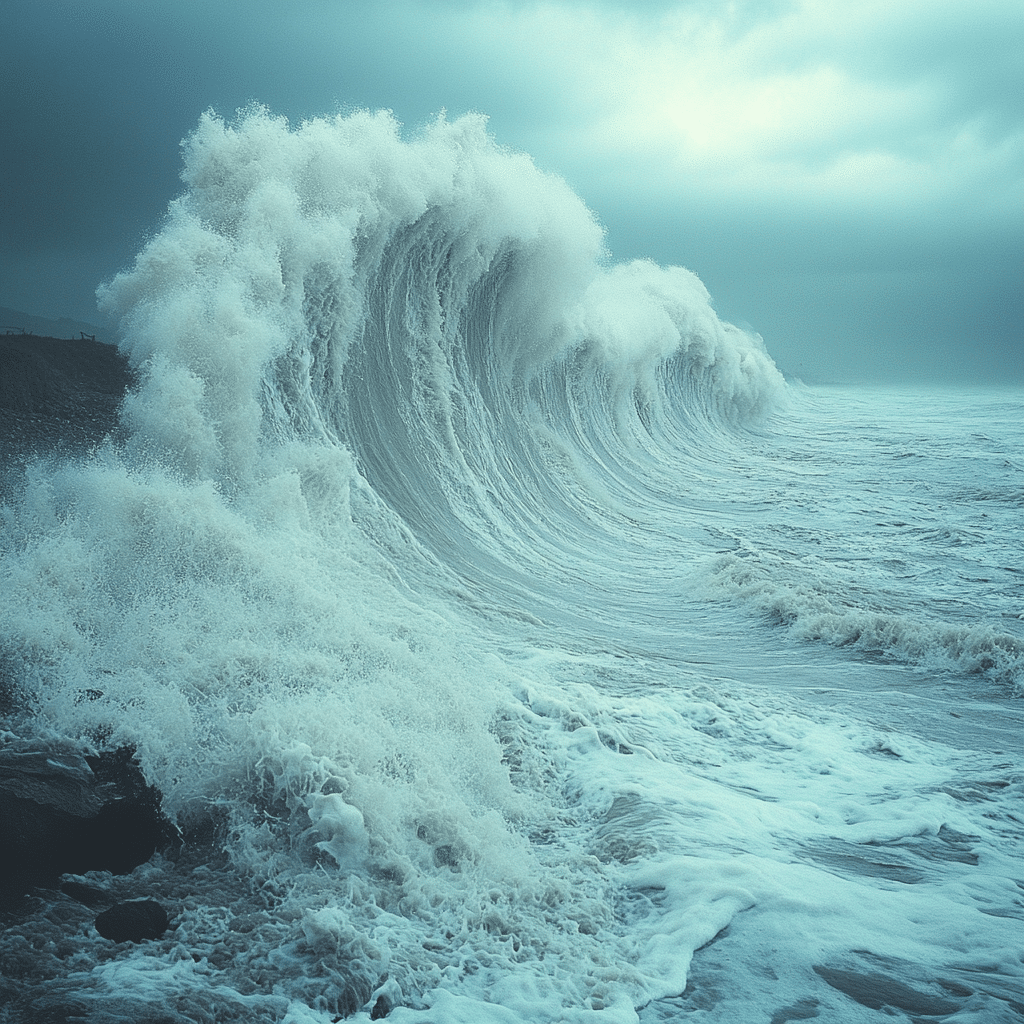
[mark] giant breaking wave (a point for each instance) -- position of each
(384, 391)
(415, 575)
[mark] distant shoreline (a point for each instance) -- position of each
(14, 322)
(10, 332)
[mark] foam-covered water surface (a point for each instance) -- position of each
(507, 639)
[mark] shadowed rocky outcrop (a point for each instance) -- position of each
(65, 811)
(132, 921)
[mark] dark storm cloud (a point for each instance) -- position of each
(849, 179)
(95, 98)
(94, 101)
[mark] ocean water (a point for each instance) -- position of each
(529, 647)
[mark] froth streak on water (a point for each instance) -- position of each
(427, 581)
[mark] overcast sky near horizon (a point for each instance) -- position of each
(846, 178)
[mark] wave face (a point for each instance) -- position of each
(422, 567)
(438, 310)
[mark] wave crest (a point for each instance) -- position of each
(443, 254)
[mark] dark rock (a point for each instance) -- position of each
(381, 1008)
(130, 825)
(87, 895)
(133, 922)
(64, 812)
(55, 778)
(46, 800)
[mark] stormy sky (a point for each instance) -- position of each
(846, 178)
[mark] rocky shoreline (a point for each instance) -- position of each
(57, 394)
(68, 811)
(77, 823)
(94, 877)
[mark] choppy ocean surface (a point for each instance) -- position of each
(532, 648)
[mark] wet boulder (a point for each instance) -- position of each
(133, 921)
(64, 811)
